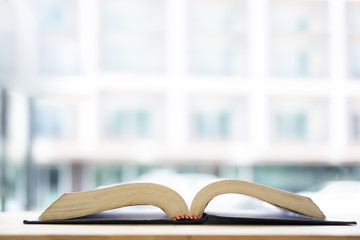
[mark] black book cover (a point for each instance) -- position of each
(114, 217)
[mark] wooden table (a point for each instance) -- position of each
(11, 227)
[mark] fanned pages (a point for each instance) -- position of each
(72, 205)
(287, 200)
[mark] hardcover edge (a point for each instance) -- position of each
(205, 220)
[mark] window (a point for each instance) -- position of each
(355, 123)
(217, 37)
(354, 120)
(48, 122)
(214, 117)
(54, 121)
(59, 48)
(128, 123)
(131, 116)
(298, 119)
(298, 39)
(353, 28)
(7, 38)
(291, 126)
(214, 124)
(132, 35)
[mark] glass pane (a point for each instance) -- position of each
(291, 126)
(200, 129)
(133, 15)
(118, 124)
(224, 125)
(133, 35)
(8, 46)
(133, 53)
(59, 51)
(298, 46)
(356, 127)
(354, 56)
(300, 126)
(142, 123)
(212, 124)
(280, 126)
(59, 55)
(6, 16)
(54, 120)
(7, 54)
(353, 16)
(298, 56)
(218, 55)
(55, 16)
(217, 37)
(47, 122)
(298, 16)
(128, 123)
(217, 15)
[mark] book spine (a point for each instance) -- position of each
(186, 217)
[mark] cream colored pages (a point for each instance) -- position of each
(287, 200)
(71, 205)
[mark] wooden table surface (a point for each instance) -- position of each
(12, 227)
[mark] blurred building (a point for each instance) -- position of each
(99, 92)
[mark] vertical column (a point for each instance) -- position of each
(177, 130)
(176, 95)
(3, 160)
(28, 44)
(258, 100)
(337, 79)
(88, 30)
(89, 41)
(29, 163)
(176, 37)
(77, 170)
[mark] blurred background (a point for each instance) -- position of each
(97, 92)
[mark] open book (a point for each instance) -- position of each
(72, 207)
